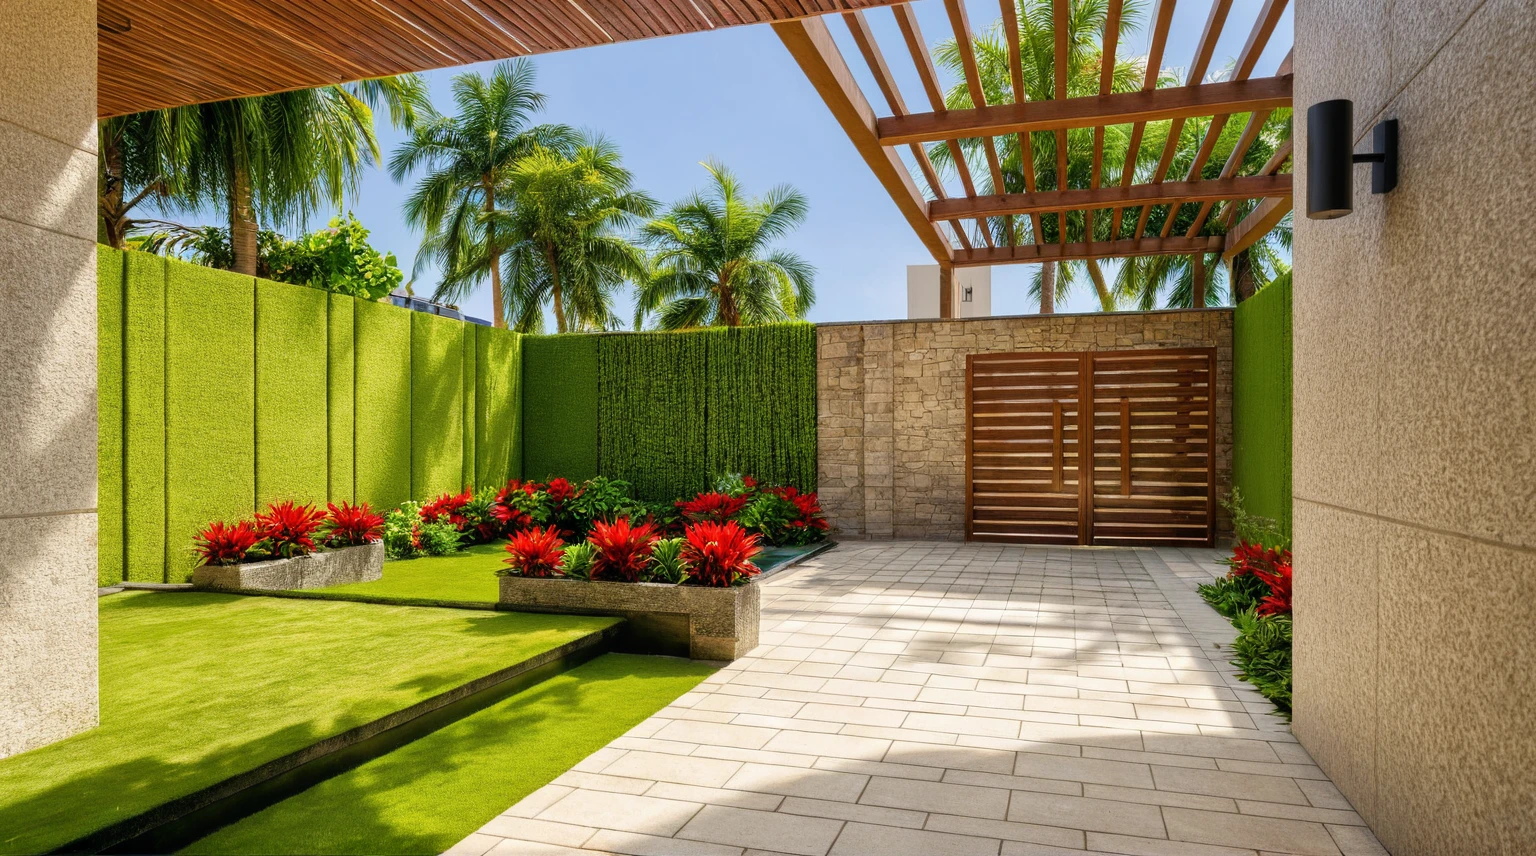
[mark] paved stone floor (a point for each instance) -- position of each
(937, 698)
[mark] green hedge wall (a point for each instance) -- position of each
(220, 393)
(651, 425)
(1261, 403)
(762, 403)
(560, 406)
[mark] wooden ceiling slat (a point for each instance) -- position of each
(1238, 96)
(811, 45)
(1272, 166)
(1254, 227)
(1020, 95)
(1076, 251)
(1110, 47)
(964, 42)
(1162, 18)
(1072, 199)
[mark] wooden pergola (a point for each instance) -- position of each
(939, 219)
(154, 54)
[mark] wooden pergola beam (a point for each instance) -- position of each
(1053, 201)
(1077, 251)
(811, 44)
(1020, 95)
(1162, 19)
(1178, 102)
(1255, 226)
(963, 42)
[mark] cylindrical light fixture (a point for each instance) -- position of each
(1330, 159)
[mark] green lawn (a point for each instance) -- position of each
(426, 796)
(469, 575)
(199, 687)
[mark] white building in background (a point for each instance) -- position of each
(973, 291)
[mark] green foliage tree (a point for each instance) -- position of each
(714, 264)
(270, 158)
(466, 159)
(565, 236)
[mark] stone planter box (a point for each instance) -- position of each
(693, 621)
(359, 564)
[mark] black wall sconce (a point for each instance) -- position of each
(1331, 158)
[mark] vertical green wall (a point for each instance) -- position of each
(651, 426)
(220, 393)
(762, 403)
(560, 406)
(1261, 403)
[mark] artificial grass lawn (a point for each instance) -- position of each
(468, 575)
(427, 795)
(199, 687)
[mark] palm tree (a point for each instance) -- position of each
(273, 158)
(467, 159)
(713, 265)
(1086, 23)
(141, 159)
(563, 237)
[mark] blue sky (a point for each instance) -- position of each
(737, 96)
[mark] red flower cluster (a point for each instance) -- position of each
(350, 525)
(808, 506)
(448, 507)
(718, 507)
(718, 554)
(224, 544)
(622, 549)
(560, 491)
(535, 552)
(1271, 566)
(289, 528)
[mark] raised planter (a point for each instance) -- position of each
(359, 564)
(695, 621)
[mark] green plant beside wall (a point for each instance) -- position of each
(1261, 402)
(560, 406)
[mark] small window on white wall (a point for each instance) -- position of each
(966, 296)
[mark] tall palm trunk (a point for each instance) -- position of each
(242, 221)
(498, 315)
(554, 287)
(114, 220)
(1048, 288)
(728, 314)
(1106, 300)
(1242, 276)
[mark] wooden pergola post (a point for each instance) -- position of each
(946, 291)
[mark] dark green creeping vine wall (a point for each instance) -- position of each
(1261, 403)
(220, 392)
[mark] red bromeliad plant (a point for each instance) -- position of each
(623, 550)
(515, 503)
(811, 522)
(225, 544)
(448, 508)
(349, 525)
(535, 552)
(1278, 601)
(719, 554)
(715, 506)
(289, 528)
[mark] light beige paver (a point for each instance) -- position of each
(931, 698)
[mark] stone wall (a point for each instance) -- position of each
(891, 406)
(48, 419)
(1414, 477)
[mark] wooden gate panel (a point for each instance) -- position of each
(1149, 475)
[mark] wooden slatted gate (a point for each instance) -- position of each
(1148, 476)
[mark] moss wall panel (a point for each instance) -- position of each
(498, 406)
(469, 349)
(1261, 403)
(560, 406)
(339, 374)
(383, 404)
(651, 411)
(210, 467)
(437, 407)
(291, 368)
(109, 415)
(762, 403)
(144, 418)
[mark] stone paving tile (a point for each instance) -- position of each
(930, 698)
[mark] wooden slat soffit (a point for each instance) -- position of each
(979, 131)
(164, 53)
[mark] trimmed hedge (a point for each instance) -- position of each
(498, 423)
(291, 373)
(109, 424)
(1261, 403)
(437, 406)
(383, 401)
(143, 418)
(762, 403)
(210, 402)
(560, 412)
(651, 425)
(341, 364)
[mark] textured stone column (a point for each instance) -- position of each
(48, 387)
(879, 432)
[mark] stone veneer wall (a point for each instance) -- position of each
(891, 406)
(48, 386)
(1414, 476)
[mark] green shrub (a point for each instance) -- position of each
(600, 498)
(407, 536)
(1252, 529)
(1233, 595)
(577, 563)
(769, 515)
(667, 562)
(1263, 654)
